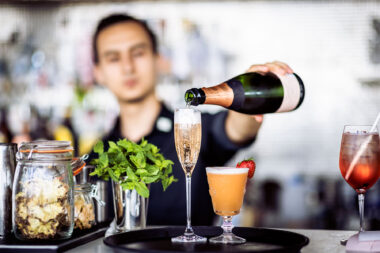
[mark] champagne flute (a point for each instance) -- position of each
(359, 161)
(187, 136)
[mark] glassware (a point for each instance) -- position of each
(43, 204)
(84, 206)
(359, 161)
(227, 188)
(187, 136)
(84, 195)
(7, 170)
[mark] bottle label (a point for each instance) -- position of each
(221, 95)
(292, 93)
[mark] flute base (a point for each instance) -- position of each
(227, 238)
(191, 237)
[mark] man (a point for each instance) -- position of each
(126, 62)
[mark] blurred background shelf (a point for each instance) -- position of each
(47, 89)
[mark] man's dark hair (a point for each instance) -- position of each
(115, 19)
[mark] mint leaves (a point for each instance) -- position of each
(133, 165)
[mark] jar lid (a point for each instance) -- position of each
(87, 187)
(45, 150)
(78, 164)
(46, 147)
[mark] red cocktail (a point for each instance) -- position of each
(359, 160)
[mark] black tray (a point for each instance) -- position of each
(78, 238)
(158, 240)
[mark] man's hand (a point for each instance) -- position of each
(240, 127)
(279, 68)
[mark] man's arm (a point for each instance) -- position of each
(241, 128)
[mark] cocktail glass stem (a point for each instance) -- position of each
(189, 235)
(227, 225)
(227, 237)
(189, 229)
(361, 211)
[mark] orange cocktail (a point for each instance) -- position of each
(227, 188)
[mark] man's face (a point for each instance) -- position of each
(127, 64)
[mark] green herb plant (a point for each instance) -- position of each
(133, 165)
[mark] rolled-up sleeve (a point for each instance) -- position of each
(219, 134)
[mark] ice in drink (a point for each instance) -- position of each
(367, 168)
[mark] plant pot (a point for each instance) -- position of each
(130, 209)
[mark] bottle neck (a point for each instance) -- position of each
(195, 97)
(221, 94)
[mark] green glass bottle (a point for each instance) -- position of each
(252, 93)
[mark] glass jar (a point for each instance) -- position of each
(84, 206)
(43, 204)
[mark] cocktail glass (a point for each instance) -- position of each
(359, 161)
(187, 137)
(227, 188)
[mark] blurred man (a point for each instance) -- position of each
(126, 62)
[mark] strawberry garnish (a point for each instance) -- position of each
(250, 164)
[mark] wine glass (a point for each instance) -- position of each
(227, 188)
(359, 161)
(187, 136)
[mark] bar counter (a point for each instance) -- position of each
(320, 241)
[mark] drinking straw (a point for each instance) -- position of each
(375, 123)
(361, 149)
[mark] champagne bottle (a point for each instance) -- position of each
(252, 93)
